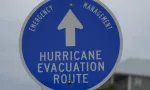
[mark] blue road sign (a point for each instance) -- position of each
(70, 44)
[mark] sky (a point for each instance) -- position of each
(133, 17)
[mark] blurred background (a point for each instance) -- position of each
(133, 71)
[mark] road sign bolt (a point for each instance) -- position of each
(69, 82)
(71, 5)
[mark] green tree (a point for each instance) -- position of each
(110, 87)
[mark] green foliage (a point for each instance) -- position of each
(110, 87)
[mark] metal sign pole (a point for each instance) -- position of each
(44, 88)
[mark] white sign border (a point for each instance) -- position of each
(98, 85)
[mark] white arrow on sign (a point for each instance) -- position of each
(70, 22)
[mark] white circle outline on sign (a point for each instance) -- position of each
(99, 84)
